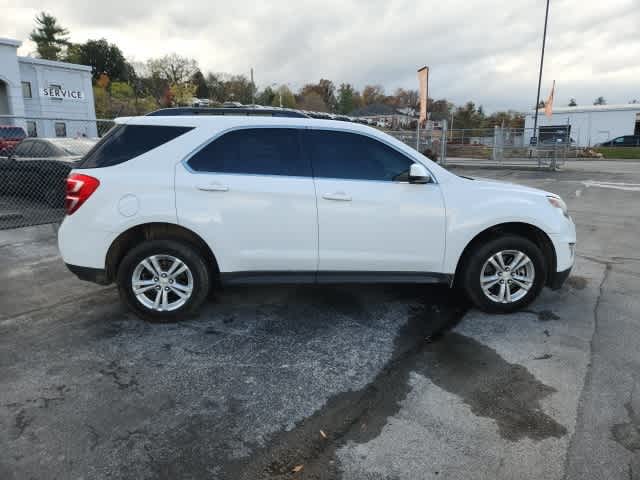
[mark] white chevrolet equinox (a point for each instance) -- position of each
(169, 207)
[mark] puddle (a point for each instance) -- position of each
(492, 388)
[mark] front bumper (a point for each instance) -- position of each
(95, 275)
(557, 279)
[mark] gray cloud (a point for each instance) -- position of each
(485, 51)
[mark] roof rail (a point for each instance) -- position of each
(262, 112)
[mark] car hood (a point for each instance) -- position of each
(490, 184)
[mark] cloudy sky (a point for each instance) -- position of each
(486, 51)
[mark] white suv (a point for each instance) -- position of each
(170, 206)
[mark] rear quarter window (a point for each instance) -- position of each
(124, 142)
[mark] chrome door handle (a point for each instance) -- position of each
(213, 187)
(337, 196)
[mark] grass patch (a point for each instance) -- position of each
(620, 152)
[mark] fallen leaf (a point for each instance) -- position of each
(297, 468)
(324, 435)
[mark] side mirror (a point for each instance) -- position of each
(418, 174)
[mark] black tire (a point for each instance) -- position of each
(189, 255)
(473, 264)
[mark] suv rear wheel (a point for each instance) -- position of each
(163, 280)
(504, 274)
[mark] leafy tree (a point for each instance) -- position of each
(346, 103)
(202, 89)
(573, 103)
(600, 101)
(103, 57)
(372, 94)
(174, 68)
(284, 97)
(325, 89)
(182, 93)
(238, 88)
(49, 36)
(266, 96)
(216, 87)
(312, 101)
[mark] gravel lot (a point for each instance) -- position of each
(364, 382)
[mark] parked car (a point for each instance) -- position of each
(38, 167)
(624, 141)
(168, 207)
(10, 136)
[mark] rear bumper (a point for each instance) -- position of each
(558, 278)
(95, 275)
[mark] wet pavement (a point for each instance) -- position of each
(362, 382)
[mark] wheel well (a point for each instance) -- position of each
(526, 230)
(155, 231)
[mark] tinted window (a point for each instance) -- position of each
(262, 151)
(124, 142)
(12, 132)
(354, 156)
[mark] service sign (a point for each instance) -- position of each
(61, 93)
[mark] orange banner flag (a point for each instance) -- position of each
(423, 79)
(548, 106)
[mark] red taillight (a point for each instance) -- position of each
(79, 188)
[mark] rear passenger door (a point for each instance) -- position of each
(250, 194)
(371, 219)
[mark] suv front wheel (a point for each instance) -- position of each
(504, 274)
(163, 280)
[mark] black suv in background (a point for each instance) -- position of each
(625, 141)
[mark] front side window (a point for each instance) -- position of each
(61, 129)
(124, 142)
(355, 157)
(258, 151)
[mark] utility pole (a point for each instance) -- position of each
(253, 89)
(544, 39)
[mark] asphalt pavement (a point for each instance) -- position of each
(352, 382)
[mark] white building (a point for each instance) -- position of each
(592, 124)
(46, 98)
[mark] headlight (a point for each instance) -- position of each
(559, 203)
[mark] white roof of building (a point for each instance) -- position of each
(592, 108)
(10, 42)
(54, 64)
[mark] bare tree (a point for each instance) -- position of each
(174, 68)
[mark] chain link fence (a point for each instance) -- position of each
(504, 146)
(36, 155)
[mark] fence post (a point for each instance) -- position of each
(494, 154)
(443, 143)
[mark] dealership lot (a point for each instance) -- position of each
(366, 382)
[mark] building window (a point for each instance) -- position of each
(61, 129)
(26, 90)
(55, 86)
(32, 128)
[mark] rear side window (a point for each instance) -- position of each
(258, 151)
(355, 157)
(124, 142)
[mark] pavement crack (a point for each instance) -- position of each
(592, 348)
